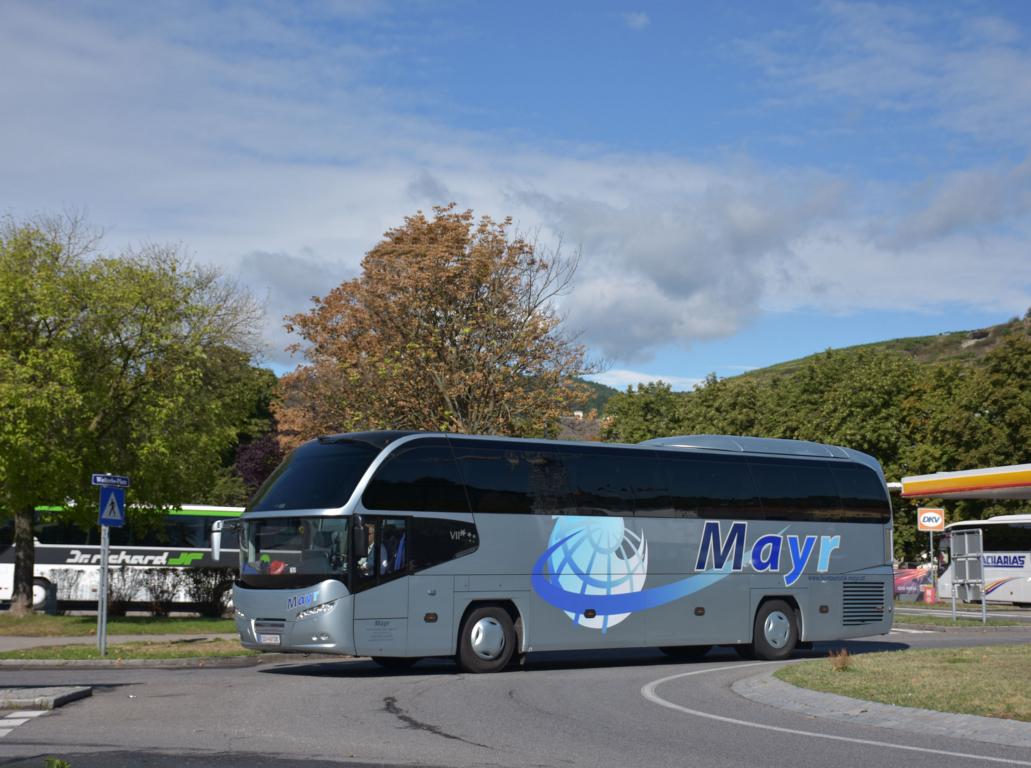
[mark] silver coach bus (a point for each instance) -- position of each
(400, 545)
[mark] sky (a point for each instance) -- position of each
(746, 183)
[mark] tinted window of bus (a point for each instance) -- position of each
(649, 482)
(510, 478)
(318, 475)
(863, 495)
(421, 477)
(706, 486)
(796, 490)
(171, 531)
(437, 541)
(599, 484)
(63, 532)
(497, 478)
(1015, 537)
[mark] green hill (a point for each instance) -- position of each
(599, 397)
(960, 346)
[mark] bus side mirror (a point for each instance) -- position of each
(216, 534)
(216, 539)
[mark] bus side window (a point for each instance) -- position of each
(796, 491)
(713, 487)
(422, 477)
(649, 484)
(599, 484)
(497, 477)
(862, 494)
(437, 541)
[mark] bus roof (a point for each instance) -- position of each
(997, 520)
(1011, 482)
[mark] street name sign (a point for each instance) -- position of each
(105, 480)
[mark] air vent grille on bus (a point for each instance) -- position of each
(269, 625)
(863, 602)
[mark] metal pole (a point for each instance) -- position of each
(105, 537)
(934, 564)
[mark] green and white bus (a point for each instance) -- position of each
(68, 557)
(401, 545)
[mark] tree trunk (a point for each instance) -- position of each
(24, 561)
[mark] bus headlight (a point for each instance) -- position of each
(317, 610)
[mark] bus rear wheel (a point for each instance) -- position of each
(685, 652)
(487, 641)
(775, 632)
(40, 590)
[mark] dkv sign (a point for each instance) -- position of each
(929, 519)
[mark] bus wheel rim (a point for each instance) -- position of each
(777, 629)
(487, 638)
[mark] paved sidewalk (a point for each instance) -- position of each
(767, 689)
(13, 643)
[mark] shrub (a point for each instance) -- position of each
(840, 660)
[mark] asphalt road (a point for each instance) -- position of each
(558, 710)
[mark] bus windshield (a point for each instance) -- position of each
(321, 474)
(287, 552)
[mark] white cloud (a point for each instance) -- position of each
(636, 20)
(285, 168)
(966, 72)
(622, 378)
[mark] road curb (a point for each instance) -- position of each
(766, 689)
(42, 698)
(207, 662)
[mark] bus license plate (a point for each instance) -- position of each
(268, 639)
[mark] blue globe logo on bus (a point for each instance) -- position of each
(596, 556)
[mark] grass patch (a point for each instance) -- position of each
(41, 625)
(961, 621)
(989, 681)
(175, 650)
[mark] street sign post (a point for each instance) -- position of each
(112, 515)
(105, 479)
(931, 519)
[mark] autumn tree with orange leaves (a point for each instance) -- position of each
(451, 326)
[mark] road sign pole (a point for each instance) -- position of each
(105, 539)
(934, 563)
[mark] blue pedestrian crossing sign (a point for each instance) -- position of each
(112, 507)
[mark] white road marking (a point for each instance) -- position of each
(18, 717)
(648, 691)
(913, 631)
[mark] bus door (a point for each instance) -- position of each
(381, 588)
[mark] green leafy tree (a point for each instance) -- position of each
(639, 414)
(137, 364)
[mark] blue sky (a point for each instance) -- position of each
(747, 182)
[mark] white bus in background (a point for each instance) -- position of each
(1006, 541)
(67, 558)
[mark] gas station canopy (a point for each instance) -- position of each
(991, 483)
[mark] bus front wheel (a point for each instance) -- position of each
(487, 641)
(775, 633)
